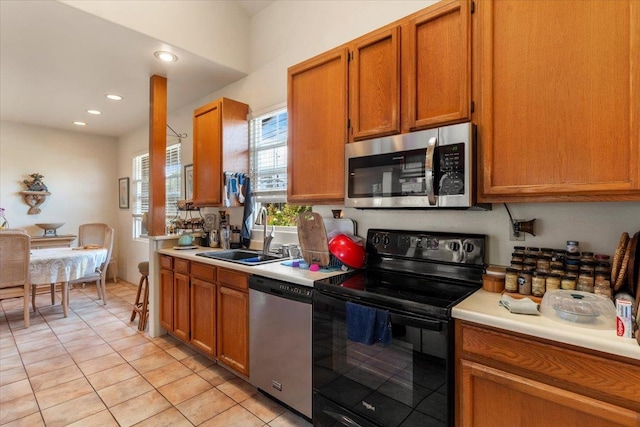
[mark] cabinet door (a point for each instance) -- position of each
(374, 85)
(491, 397)
(317, 129)
(166, 299)
(207, 155)
(233, 329)
(436, 67)
(559, 86)
(203, 315)
(181, 306)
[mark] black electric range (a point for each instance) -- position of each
(403, 376)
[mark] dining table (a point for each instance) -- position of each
(63, 265)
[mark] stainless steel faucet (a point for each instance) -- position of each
(262, 220)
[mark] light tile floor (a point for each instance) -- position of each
(94, 368)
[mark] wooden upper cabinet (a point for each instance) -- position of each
(436, 66)
(559, 107)
(317, 129)
(220, 143)
(374, 85)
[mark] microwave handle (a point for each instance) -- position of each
(428, 169)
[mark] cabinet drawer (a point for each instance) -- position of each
(181, 266)
(233, 279)
(166, 262)
(580, 372)
(203, 271)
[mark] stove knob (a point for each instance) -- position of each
(468, 247)
(376, 239)
(386, 240)
(454, 246)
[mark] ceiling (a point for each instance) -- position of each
(56, 62)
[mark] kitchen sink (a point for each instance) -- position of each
(241, 256)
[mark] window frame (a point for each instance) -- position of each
(173, 186)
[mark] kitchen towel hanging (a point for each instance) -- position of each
(247, 221)
(368, 325)
(233, 189)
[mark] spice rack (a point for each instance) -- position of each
(534, 271)
(188, 220)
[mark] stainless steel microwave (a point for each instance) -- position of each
(433, 168)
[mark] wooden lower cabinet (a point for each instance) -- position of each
(203, 316)
(511, 379)
(233, 320)
(208, 308)
(181, 299)
(166, 299)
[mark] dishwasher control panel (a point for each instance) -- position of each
(292, 289)
(281, 289)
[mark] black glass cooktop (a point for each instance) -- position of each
(404, 292)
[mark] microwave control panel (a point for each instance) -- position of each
(450, 169)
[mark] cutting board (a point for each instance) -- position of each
(313, 239)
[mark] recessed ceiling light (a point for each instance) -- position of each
(96, 112)
(165, 56)
(114, 97)
(79, 123)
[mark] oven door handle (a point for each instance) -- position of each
(397, 318)
(432, 325)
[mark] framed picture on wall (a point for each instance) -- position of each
(123, 193)
(188, 182)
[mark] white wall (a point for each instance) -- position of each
(80, 171)
(288, 32)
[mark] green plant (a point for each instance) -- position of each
(282, 214)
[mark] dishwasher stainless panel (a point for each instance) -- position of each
(280, 341)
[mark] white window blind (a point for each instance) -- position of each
(140, 185)
(268, 147)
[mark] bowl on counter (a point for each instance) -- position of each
(579, 309)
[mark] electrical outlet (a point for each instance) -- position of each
(516, 236)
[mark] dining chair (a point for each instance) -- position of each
(15, 252)
(101, 235)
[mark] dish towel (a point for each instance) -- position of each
(368, 325)
(247, 213)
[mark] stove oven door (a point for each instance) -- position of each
(406, 383)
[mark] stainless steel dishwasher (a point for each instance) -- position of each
(280, 341)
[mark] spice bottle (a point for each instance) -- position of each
(543, 264)
(524, 282)
(511, 280)
(573, 247)
(585, 281)
(538, 284)
(553, 282)
(568, 282)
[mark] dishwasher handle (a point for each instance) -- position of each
(281, 289)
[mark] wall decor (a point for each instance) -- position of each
(35, 194)
(123, 193)
(188, 182)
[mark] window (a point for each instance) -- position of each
(140, 186)
(268, 147)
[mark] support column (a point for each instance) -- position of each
(157, 154)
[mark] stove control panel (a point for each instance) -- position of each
(455, 248)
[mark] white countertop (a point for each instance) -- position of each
(272, 270)
(482, 307)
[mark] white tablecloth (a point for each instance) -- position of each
(59, 265)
